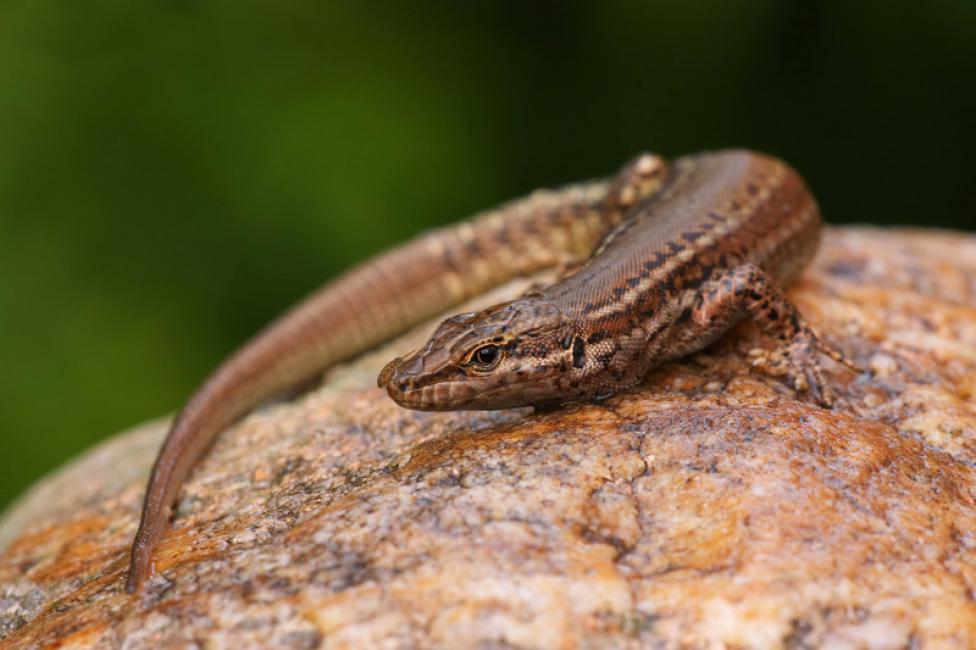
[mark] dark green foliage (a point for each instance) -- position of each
(173, 174)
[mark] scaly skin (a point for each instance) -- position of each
(673, 269)
(716, 244)
(376, 301)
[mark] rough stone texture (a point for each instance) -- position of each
(709, 507)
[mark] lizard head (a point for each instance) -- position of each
(505, 356)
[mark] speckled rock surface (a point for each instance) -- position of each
(709, 507)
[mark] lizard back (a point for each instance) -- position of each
(715, 211)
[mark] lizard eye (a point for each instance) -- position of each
(486, 357)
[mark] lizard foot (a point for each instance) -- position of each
(798, 361)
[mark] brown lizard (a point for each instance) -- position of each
(678, 256)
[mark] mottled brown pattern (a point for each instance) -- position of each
(709, 507)
(653, 291)
(377, 300)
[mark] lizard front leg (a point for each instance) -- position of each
(748, 290)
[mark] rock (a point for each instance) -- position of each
(710, 506)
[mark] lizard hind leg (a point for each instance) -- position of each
(747, 289)
(639, 179)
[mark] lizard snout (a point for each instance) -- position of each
(388, 372)
(398, 378)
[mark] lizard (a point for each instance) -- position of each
(675, 254)
(717, 243)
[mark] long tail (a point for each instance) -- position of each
(372, 303)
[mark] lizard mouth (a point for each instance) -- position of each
(401, 386)
(413, 390)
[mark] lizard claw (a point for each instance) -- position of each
(805, 370)
(798, 361)
(826, 348)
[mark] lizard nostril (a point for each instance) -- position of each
(402, 386)
(386, 375)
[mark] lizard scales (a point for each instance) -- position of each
(679, 255)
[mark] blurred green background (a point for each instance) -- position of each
(174, 174)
